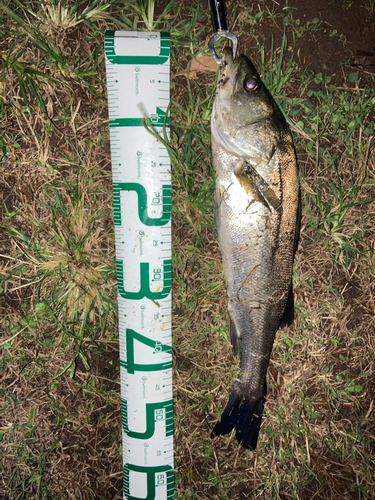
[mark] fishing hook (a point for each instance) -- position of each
(220, 26)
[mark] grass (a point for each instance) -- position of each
(60, 427)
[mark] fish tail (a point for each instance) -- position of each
(243, 416)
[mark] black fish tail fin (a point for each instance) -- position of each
(244, 417)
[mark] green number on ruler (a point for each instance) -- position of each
(157, 119)
(166, 201)
(151, 417)
(158, 475)
(109, 44)
(130, 364)
(145, 281)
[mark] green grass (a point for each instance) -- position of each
(60, 426)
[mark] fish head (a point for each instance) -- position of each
(241, 98)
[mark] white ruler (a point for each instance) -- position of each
(138, 78)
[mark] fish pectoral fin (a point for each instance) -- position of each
(256, 186)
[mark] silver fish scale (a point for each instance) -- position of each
(257, 250)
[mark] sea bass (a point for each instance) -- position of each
(257, 213)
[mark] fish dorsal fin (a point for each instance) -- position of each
(298, 222)
(288, 316)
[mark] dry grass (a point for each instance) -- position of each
(60, 436)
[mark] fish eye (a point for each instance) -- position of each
(252, 85)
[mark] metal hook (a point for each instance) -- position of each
(223, 34)
(219, 23)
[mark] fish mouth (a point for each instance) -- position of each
(228, 71)
(227, 61)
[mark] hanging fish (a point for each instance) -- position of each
(257, 209)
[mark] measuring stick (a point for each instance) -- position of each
(137, 65)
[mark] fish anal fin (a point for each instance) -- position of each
(235, 338)
(256, 186)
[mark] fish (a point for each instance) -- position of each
(257, 212)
